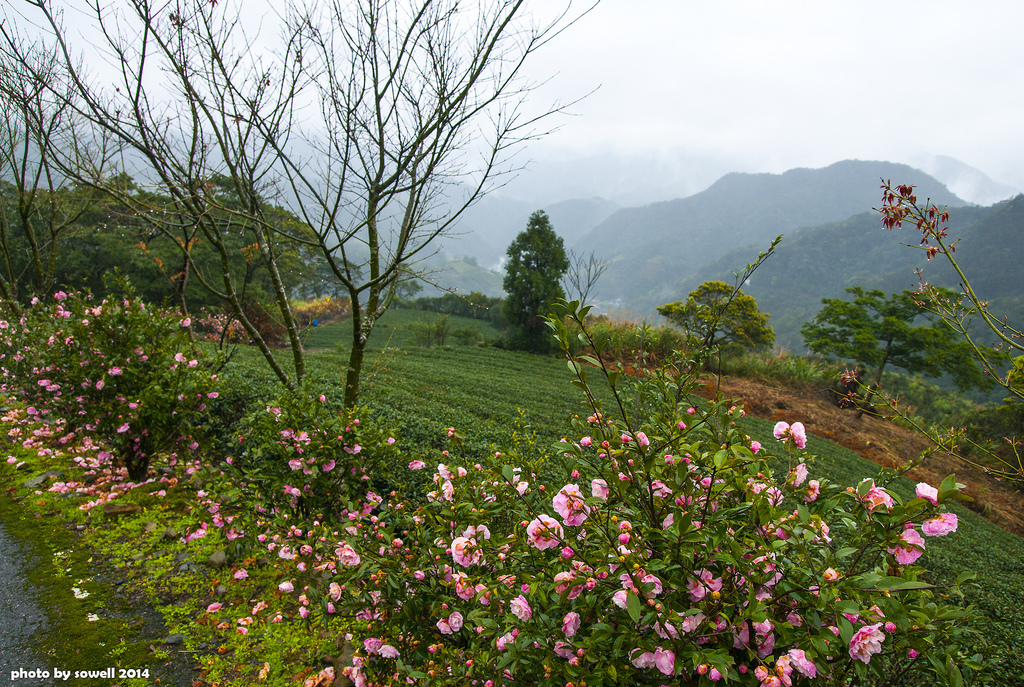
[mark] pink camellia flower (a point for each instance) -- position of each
(585, 442)
(644, 660)
(186, 323)
(241, 574)
(755, 446)
(347, 555)
(795, 433)
(373, 645)
(700, 587)
(798, 659)
(799, 434)
(455, 621)
(799, 474)
(571, 624)
(100, 384)
(665, 661)
(286, 587)
(417, 465)
(568, 503)
(940, 525)
(867, 642)
(619, 598)
(875, 497)
(443, 627)
(520, 608)
(213, 608)
(910, 550)
(544, 532)
(334, 591)
(115, 372)
(831, 575)
(388, 651)
(465, 551)
(926, 491)
(813, 489)
(642, 439)
(599, 489)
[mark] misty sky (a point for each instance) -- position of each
(782, 84)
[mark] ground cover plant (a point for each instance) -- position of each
(253, 617)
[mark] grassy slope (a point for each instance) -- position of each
(479, 390)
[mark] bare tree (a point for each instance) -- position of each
(39, 206)
(378, 122)
(202, 171)
(582, 275)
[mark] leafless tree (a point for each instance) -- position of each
(377, 122)
(39, 205)
(582, 275)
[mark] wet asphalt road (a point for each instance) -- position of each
(20, 615)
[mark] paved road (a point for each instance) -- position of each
(20, 615)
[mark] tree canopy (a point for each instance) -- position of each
(721, 314)
(533, 274)
(878, 330)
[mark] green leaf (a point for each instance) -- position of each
(633, 606)
(720, 459)
(508, 473)
(893, 584)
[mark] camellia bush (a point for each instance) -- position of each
(675, 550)
(123, 375)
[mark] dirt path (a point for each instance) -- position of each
(881, 442)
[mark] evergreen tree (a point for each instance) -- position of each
(533, 275)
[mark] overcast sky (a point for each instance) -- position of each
(789, 83)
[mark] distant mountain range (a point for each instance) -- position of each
(660, 251)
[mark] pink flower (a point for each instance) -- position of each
(755, 446)
(867, 642)
(940, 525)
(585, 442)
(831, 575)
(813, 489)
(241, 574)
(443, 627)
(665, 661)
(570, 624)
(875, 497)
(642, 439)
(213, 608)
(115, 372)
(417, 465)
(599, 489)
(347, 555)
(544, 532)
(568, 503)
(619, 598)
(286, 587)
(644, 660)
(910, 550)
(926, 491)
(100, 384)
(520, 608)
(465, 552)
(795, 433)
(455, 621)
(388, 651)
(798, 659)
(799, 474)
(799, 434)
